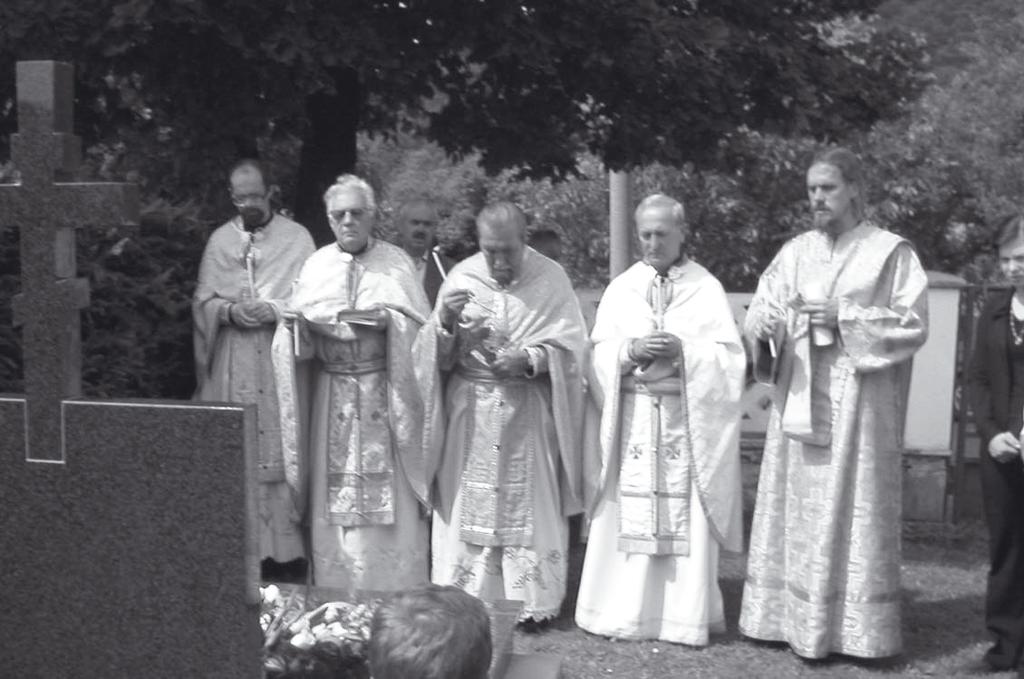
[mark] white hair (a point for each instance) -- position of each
(347, 182)
(660, 200)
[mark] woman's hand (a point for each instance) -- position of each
(1004, 447)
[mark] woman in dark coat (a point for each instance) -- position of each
(997, 399)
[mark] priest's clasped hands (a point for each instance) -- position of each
(658, 344)
(251, 313)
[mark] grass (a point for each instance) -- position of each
(944, 571)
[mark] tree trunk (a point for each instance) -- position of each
(328, 150)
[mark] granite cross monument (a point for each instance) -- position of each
(127, 541)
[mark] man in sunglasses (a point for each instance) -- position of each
(245, 275)
(354, 422)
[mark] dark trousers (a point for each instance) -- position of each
(1003, 489)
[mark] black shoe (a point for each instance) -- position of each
(974, 667)
(290, 572)
(532, 626)
(997, 661)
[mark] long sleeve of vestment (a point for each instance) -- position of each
(768, 306)
(770, 299)
(888, 332)
(446, 353)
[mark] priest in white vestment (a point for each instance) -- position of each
(844, 307)
(663, 486)
(501, 367)
(245, 278)
(351, 411)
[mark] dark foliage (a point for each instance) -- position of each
(170, 93)
(136, 332)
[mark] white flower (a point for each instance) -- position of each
(270, 594)
(303, 640)
(299, 626)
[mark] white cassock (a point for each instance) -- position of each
(663, 485)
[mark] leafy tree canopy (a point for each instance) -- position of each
(189, 85)
(170, 92)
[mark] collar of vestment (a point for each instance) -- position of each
(259, 233)
(676, 271)
(850, 234)
(356, 255)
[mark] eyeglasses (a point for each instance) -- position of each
(248, 198)
(339, 215)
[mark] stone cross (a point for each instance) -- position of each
(47, 211)
(128, 537)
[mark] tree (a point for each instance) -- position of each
(170, 92)
(954, 163)
(527, 83)
(948, 26)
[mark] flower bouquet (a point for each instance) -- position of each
(328, 642)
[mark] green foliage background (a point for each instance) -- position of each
(941, 164)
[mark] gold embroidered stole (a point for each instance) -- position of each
(807, 416)
(656, 470)
(360, 464)
(497, 478)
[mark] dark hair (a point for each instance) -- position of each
(433, 632)
(1007, 229)
(253, 164)
(849, 166)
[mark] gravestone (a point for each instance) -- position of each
(126, 541)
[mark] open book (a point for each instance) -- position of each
(359, 317)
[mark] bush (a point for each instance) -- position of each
(938, 175)
(136, 331)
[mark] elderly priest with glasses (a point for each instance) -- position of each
(353, 423)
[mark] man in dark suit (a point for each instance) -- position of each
(417, 226)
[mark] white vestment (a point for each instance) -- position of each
(663, 485)
(823, 572)
(234, 363)
(505, 451)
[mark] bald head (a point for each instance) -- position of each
(673, 209)
(501, 232)
(502, 216)
(250, 192)
(661, 229)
